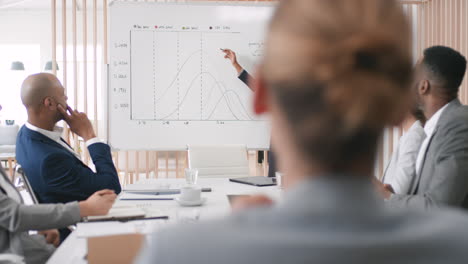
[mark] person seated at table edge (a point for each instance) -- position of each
(54, 169)
(16, 219)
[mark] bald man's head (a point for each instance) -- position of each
(41, 94)
(37, 87)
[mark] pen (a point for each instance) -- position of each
(147, 218)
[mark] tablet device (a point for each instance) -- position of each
(259, 181)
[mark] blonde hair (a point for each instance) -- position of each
(341, 71)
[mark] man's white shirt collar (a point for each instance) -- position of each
(432, 122)
(55, 135)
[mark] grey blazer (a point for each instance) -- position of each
(324, 220)
(17, 219)
(443, 179)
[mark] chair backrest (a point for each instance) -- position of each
(8, 134)
(132, 167)
(21, 183)
(220, 161)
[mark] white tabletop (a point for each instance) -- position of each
(73, 249)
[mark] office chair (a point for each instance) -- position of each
(219, 161)
(21, 183)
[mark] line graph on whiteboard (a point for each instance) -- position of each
(182, 75)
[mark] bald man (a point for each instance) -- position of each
(54, 169)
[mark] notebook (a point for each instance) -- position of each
(120, 212)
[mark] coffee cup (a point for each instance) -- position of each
(190, 193)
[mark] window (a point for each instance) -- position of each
(29, 55)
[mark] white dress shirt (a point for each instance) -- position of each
(429, 129)
(56, 136)
(401, 170)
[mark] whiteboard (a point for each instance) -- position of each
(169, 84)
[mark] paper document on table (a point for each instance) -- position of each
(154, 187)
(129, 196)
(103, 229)
(122, 211)
(84, 230)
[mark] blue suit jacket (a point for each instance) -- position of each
(56, 175)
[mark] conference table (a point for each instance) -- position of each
(74, 249)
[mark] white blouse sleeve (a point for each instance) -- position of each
(405, 172)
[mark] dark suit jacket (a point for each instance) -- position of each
(56, 175)
(245, 77)
(443, 179)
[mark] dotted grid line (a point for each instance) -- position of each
(154, 74)
(178, 84)
(201, 76)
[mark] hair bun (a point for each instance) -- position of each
(340, 70)
(365, 60)
(372, 78)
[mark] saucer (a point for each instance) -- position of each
(190, 203)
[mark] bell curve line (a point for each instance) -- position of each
(219, 84)
(188, 58)
(188, 90)
(224, 95)
(223, 92)
(211, 89)
(228, 99)
(210, 93)
(177, 75)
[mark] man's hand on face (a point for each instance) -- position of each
(78, 122)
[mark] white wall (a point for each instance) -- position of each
(26, 27)
(26, 35)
